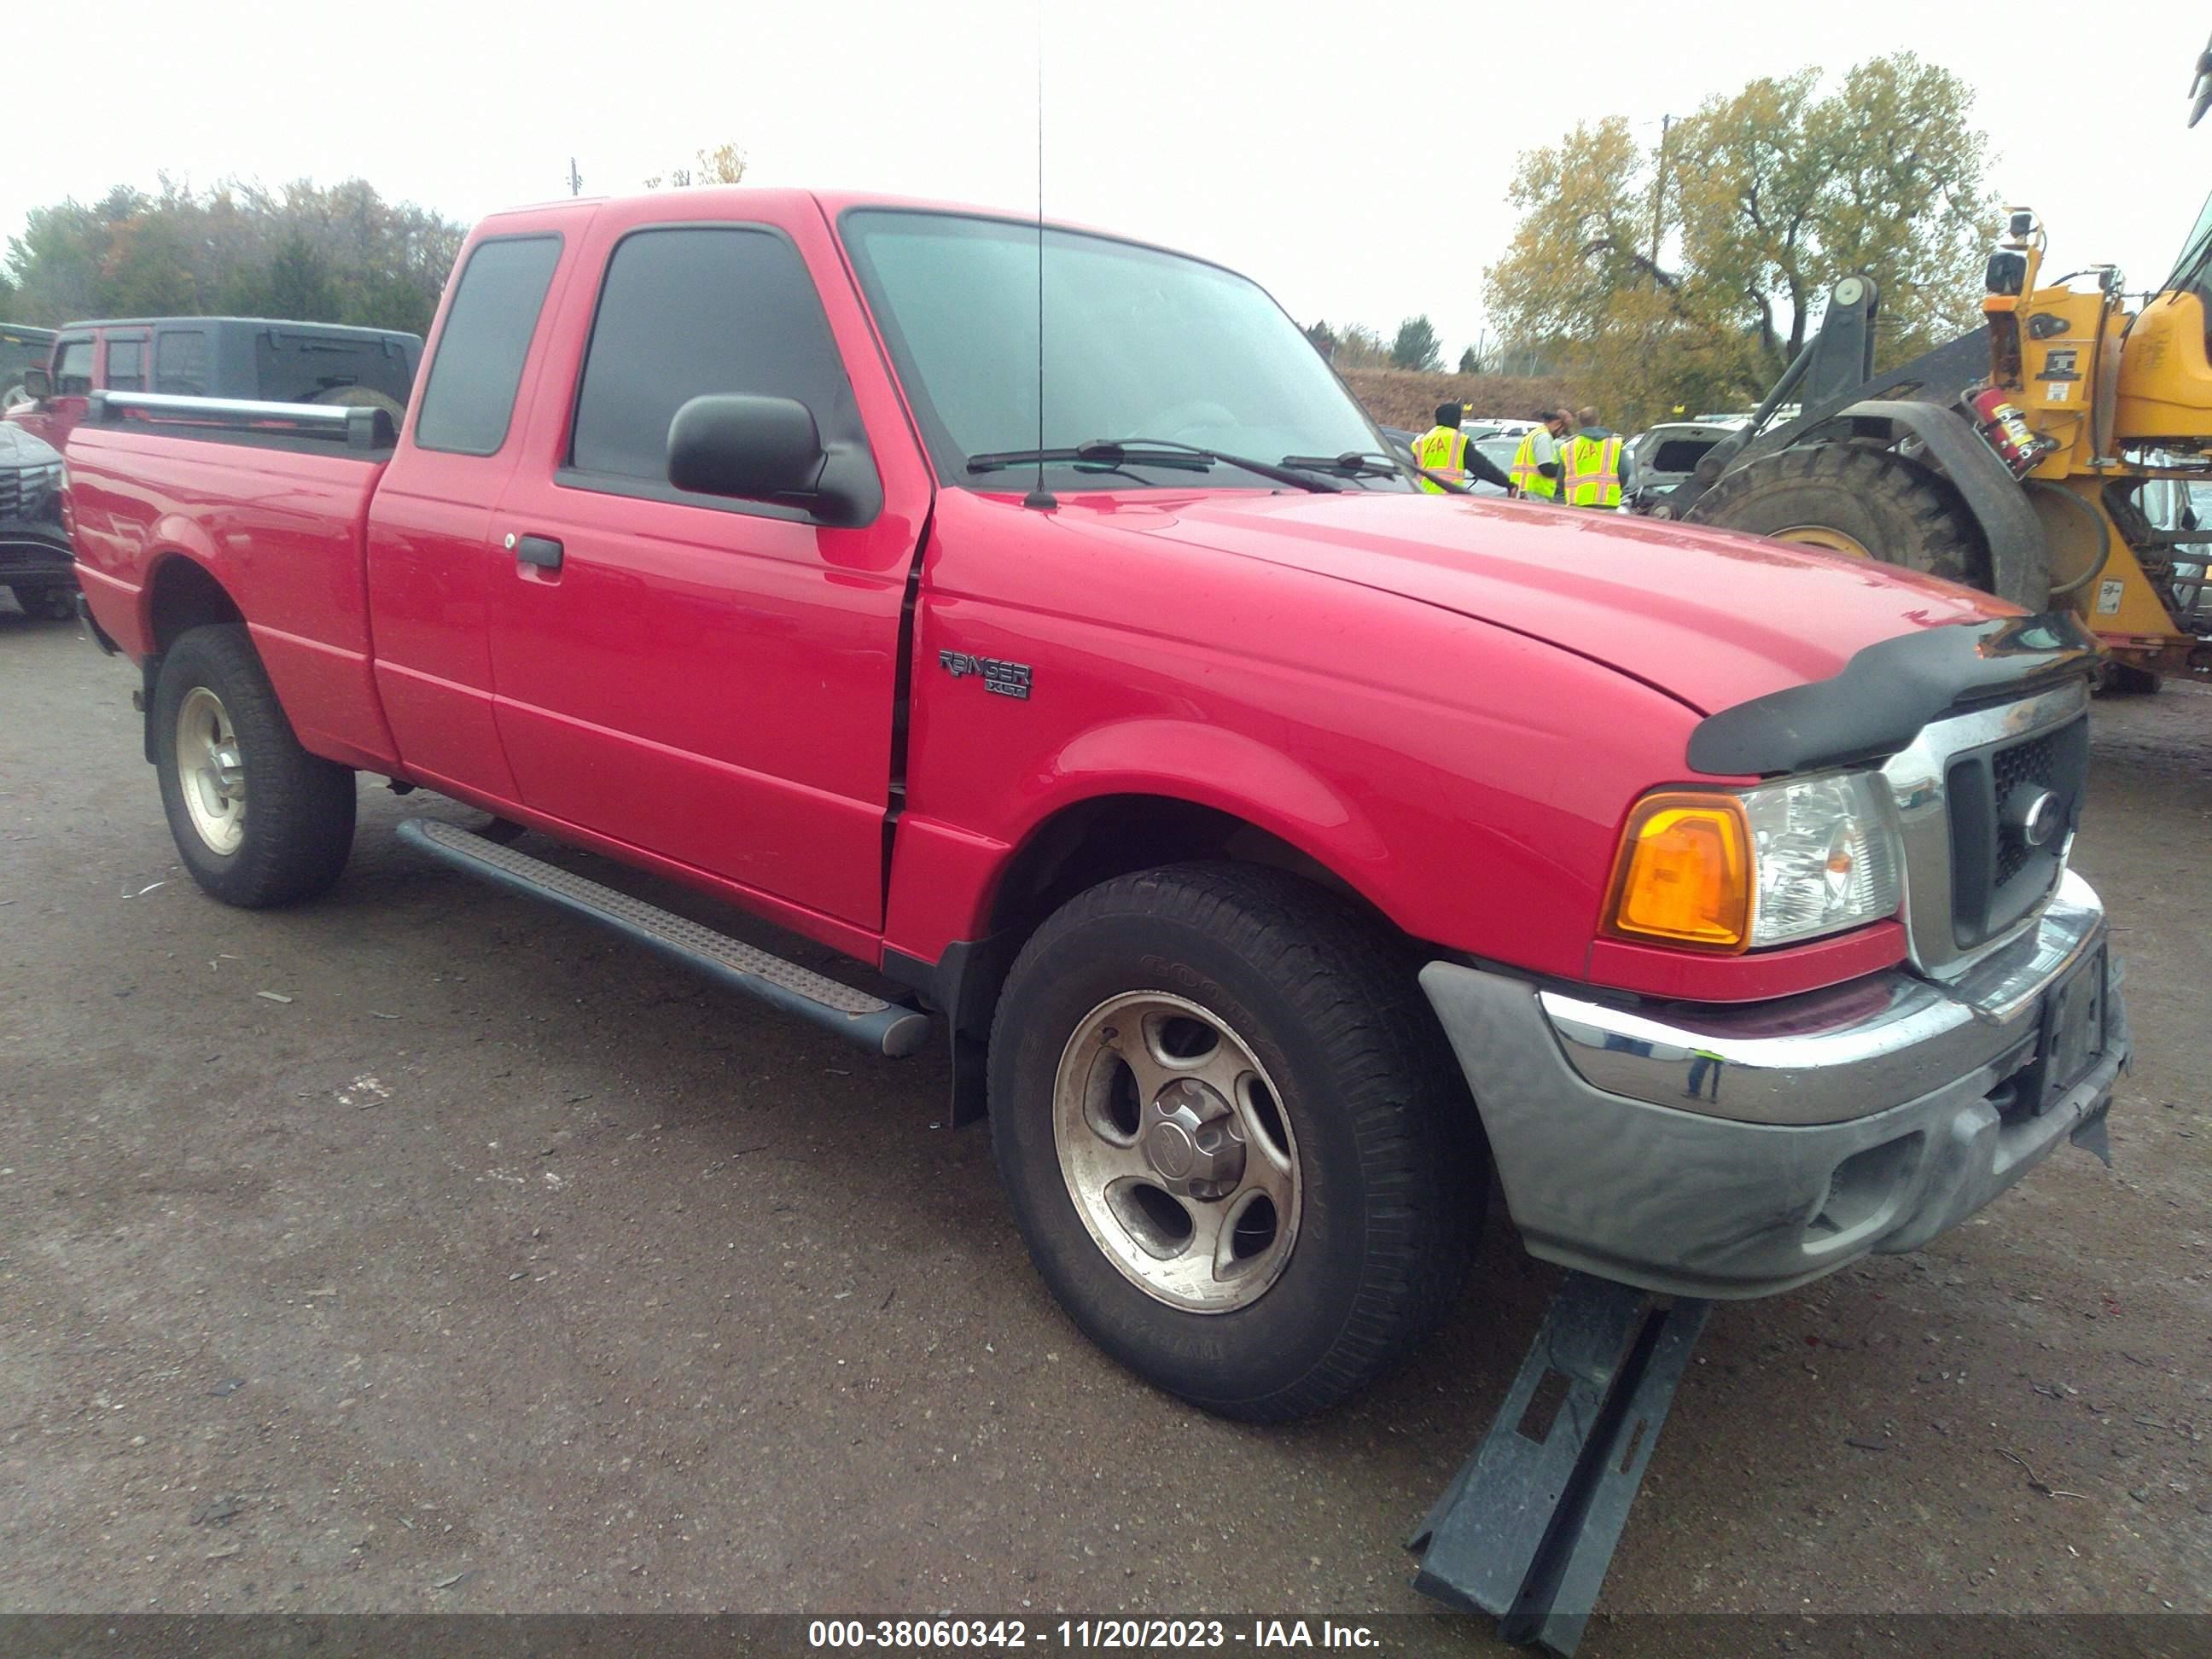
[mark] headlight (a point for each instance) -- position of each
(1743, 869)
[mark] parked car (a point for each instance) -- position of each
(34, 552)
(1668, 453)
(1275, 847)
(240, 357)
(1500, 452)
(21, 348)
(1479, 428)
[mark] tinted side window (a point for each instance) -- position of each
(290, 366)
(468, 401)
(180, 360)
(126, 365)
(690, 312)
(73, 368)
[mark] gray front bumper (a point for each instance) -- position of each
(1739, 1151)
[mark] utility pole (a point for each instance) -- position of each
(1659, 193)
(575, 179)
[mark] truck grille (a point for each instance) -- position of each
(1998, 873)
(11, 492)
(2034, 763)
(1974, 866)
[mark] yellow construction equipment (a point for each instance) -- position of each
(2060, 456)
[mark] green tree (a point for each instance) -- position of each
(1417, 346)
(1470, 363)
(299, 284)
(1323, 337)
(1762, 198)
(338, 253)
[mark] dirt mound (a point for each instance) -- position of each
(1408, 400)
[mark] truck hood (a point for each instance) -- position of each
(22, 448)
(1709, 617)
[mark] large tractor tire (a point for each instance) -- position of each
(1857, 500)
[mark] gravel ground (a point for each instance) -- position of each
(487, 1263)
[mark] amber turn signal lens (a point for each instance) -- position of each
(1685, 872)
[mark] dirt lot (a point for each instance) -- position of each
(498, 1266)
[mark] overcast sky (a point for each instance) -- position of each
(1354, 160)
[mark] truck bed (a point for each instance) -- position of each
(278, 519)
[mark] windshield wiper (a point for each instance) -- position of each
(1371, 464)
(1112, 453)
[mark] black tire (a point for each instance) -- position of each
(1899, 511)
(61, 604)
(2119, 679)
(297, 829)
(1386, 1150)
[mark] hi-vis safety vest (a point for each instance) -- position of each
(1526, 479)
(1591, 471)
(1442, 450)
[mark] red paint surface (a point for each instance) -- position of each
(1450, 704)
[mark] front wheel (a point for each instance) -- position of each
(1231, 1137)
(258, 819)
(1856, 500)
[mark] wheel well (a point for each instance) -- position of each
(185, 597)
(1096, 840)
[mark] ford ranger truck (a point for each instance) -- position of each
(1280, 848)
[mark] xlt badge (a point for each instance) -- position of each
(1008, 679)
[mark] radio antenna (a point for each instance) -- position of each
(1040, 498)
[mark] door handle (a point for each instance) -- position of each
(541, 550)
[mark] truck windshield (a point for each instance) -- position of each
(1138, 344)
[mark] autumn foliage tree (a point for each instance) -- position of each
(310, 254)
(1762, 200)
(723, 165)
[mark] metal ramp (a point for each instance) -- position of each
(1527, 1529)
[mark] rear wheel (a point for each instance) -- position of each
(1231, 1137)
(258, 820)
(1856, 499)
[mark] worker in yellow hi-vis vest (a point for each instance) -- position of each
(1444, 451)
(1536, 464)
(1596, 466)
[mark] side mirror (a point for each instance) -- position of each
(750, 448)
(38, 384)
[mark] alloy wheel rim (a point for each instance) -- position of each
(211, 771)
(1177, 1151)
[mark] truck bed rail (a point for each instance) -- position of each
(356, 428)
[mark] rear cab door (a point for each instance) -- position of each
(712, 681)
(431, 562)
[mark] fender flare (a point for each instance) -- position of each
(2020, 559)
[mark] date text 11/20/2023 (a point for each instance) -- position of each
(1081, 1635)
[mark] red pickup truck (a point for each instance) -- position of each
(1282, 848)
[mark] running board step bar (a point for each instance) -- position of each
(891, 1029)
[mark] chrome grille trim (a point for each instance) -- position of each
(1916, 778)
